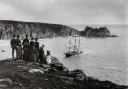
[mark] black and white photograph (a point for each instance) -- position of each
(63, 44)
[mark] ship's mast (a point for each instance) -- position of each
(69, 44)
(75, 44)
(75, 40)
(79, 44)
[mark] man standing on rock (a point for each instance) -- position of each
(32, 50)
(18, 47)
(26, 48)
(37, 49)
(42, 59)
(13, 45)
(25, 41)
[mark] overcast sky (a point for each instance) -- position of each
(65, 11)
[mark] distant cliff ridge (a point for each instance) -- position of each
(40, 30)
(96, 32)
(43, 30)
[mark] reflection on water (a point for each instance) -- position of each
(103, 58)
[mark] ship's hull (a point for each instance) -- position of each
(68, 54)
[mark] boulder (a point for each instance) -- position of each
(36, 70)
(78, 75)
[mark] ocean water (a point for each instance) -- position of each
(102, 58)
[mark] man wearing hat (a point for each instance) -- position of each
(37, 49)
(25, 44)
(13, 45)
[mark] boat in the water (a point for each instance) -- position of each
(73, 48)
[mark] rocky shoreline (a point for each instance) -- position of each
(21, 75)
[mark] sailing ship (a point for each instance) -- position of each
(73, 48)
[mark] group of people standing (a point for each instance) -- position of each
(29, 51)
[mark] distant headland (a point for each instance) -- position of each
(47, 30)
(100, 32)
(40, 30)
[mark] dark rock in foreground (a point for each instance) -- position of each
(22, 75)
(96, 32)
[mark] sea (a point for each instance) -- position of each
(102, 58)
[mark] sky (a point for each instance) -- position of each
(65, 11)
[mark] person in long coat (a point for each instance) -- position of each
(13, 45)
(19, 51)
(37, 49)
(26, 53)
(42, 58)
(18, 48)
(32, 51)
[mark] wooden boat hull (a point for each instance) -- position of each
(68, 54)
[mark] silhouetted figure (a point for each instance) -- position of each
(37, 49)
(18, 40)
(26, 53)
(25, 42)
(18, 47)
(13, 45)
(19, 52)
(32, 51)
(32, 41)
(42, 58)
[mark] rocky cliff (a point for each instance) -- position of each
(96, 32)
(40, 30)
(21, 75)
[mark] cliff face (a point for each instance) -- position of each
(96, 32)
(40, 30)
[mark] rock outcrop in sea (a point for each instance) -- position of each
(40, 30)
(96, 32)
